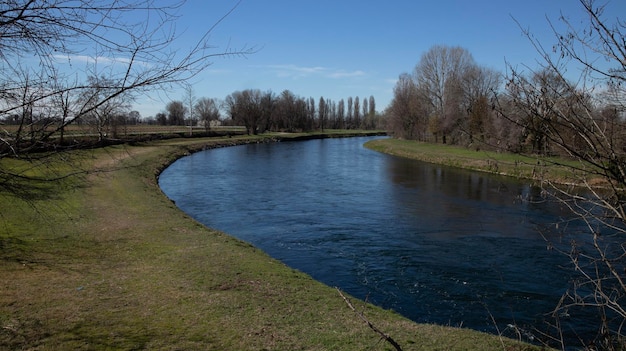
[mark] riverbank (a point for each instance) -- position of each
(101, 259)
(551, 169)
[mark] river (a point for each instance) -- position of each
(436, 244)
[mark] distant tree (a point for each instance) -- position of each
(105, 110)
(341, 114)
(369, 113)
(301, 117)
(161, 118)
(322, 113)
(480, 120)
(311, 116)
(349, 121)
(247, 107)
(285, 115)
(366, 109)
(207, 110)
(176, 111)
(190, 102)
(267, 106)
(478, 85)
(134, 117)
(356, 118)
(372, 105)
(408, 110)
(332, 114)
(439, 74)
(150, 120)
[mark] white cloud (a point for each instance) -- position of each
(345, 74)
(98, 60)
(295, 71)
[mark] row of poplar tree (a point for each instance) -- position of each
(261, 111)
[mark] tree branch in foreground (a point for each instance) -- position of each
(384, 336)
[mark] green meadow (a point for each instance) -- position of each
(93, 256)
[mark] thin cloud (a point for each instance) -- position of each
(295, 71)
(99, 60)
(344, 74)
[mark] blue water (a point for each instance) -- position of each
(437, 244)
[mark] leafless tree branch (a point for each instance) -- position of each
(384, 336)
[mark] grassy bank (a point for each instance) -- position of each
(557, 170)
(102, 260)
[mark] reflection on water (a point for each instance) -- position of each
(436, 244)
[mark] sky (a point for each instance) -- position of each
(346, 48)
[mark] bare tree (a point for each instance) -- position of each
(478, 84)
(349, 120)
(439, 74)
(103, 116)
(372, 105)
(190, 100)
(207, 110)
(575, 118)
(249, 107)
(365, 108)
(409, 110)
(176, 112)
(356, 118)
(322, 113)
(130, 43)
(341, 112)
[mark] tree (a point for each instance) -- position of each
(322, 113)
(267, 106)
(207, 111)
(284, 118)
(349, 121)
(310, 120)
(341, 112)
(251, 108)
(478, 85)
(570, 118)
(131, 43)
(161, 119)
(134, 117)
(176, 111)
(439, 75)
(408, 110)
(372, 105)
(356, 118)
(371, 119)
(103, 115)
(190, 101)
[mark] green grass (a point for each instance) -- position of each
(109, 263)
(508, 164)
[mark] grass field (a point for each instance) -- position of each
(552, 169)
(127, 130)
(102, 260)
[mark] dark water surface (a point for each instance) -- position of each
(436, 244)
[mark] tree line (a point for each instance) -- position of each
(261, 111)
(449, 98)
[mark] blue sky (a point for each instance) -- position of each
(342, 48)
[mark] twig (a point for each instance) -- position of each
(384, 336)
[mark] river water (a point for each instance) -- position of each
(436, 244)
